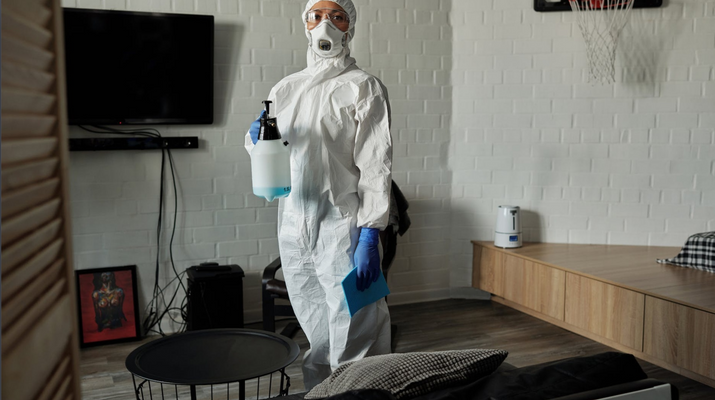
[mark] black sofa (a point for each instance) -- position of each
(580, 378)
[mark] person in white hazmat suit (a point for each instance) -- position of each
(336, 118)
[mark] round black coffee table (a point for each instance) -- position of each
(210, 357)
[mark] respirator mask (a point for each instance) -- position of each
(327, 40)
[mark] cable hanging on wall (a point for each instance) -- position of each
(157, 307)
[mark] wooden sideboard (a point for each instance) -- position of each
(617, 295)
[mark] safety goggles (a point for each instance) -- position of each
(339, 18)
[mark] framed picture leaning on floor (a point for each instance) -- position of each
(108, 308)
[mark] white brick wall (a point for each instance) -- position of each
(406, 43)
(490, 106)
(628, 163)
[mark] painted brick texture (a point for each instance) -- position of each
(490, 106)
(629, 163)
(406, 43)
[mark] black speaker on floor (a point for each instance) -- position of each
(215, 296)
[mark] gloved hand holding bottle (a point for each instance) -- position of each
(256, 127)
(367, 258)
(270, 157)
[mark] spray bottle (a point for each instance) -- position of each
(270, 160)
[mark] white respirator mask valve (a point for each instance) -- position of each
(327, 40)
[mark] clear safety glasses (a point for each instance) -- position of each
(340, 18)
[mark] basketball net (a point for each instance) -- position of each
(601, 23)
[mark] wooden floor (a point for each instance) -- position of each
(440, 325)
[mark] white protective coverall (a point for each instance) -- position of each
(336, 118)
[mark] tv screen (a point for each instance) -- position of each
(138, 68)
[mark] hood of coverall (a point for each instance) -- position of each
(333, 66)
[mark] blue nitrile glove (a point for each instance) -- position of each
(256, 128)
(367, 258)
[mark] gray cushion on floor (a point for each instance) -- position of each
(410, 374)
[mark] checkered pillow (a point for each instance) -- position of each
(410, 374)
(698, 253)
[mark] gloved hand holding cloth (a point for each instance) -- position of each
(367, 258)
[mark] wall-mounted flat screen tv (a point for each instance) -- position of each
(138, 68)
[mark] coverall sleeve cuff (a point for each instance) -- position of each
(248, 143)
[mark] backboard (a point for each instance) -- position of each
(563, 5)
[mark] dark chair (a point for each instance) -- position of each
(274, 288)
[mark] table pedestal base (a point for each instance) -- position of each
(147, 390)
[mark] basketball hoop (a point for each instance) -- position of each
(601, 23)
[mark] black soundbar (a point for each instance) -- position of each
(134, 143)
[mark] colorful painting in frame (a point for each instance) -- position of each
(108, 308)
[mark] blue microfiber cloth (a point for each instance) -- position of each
(357, 299)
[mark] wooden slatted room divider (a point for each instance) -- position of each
(39, 317)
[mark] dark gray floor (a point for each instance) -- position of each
(440, 325)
